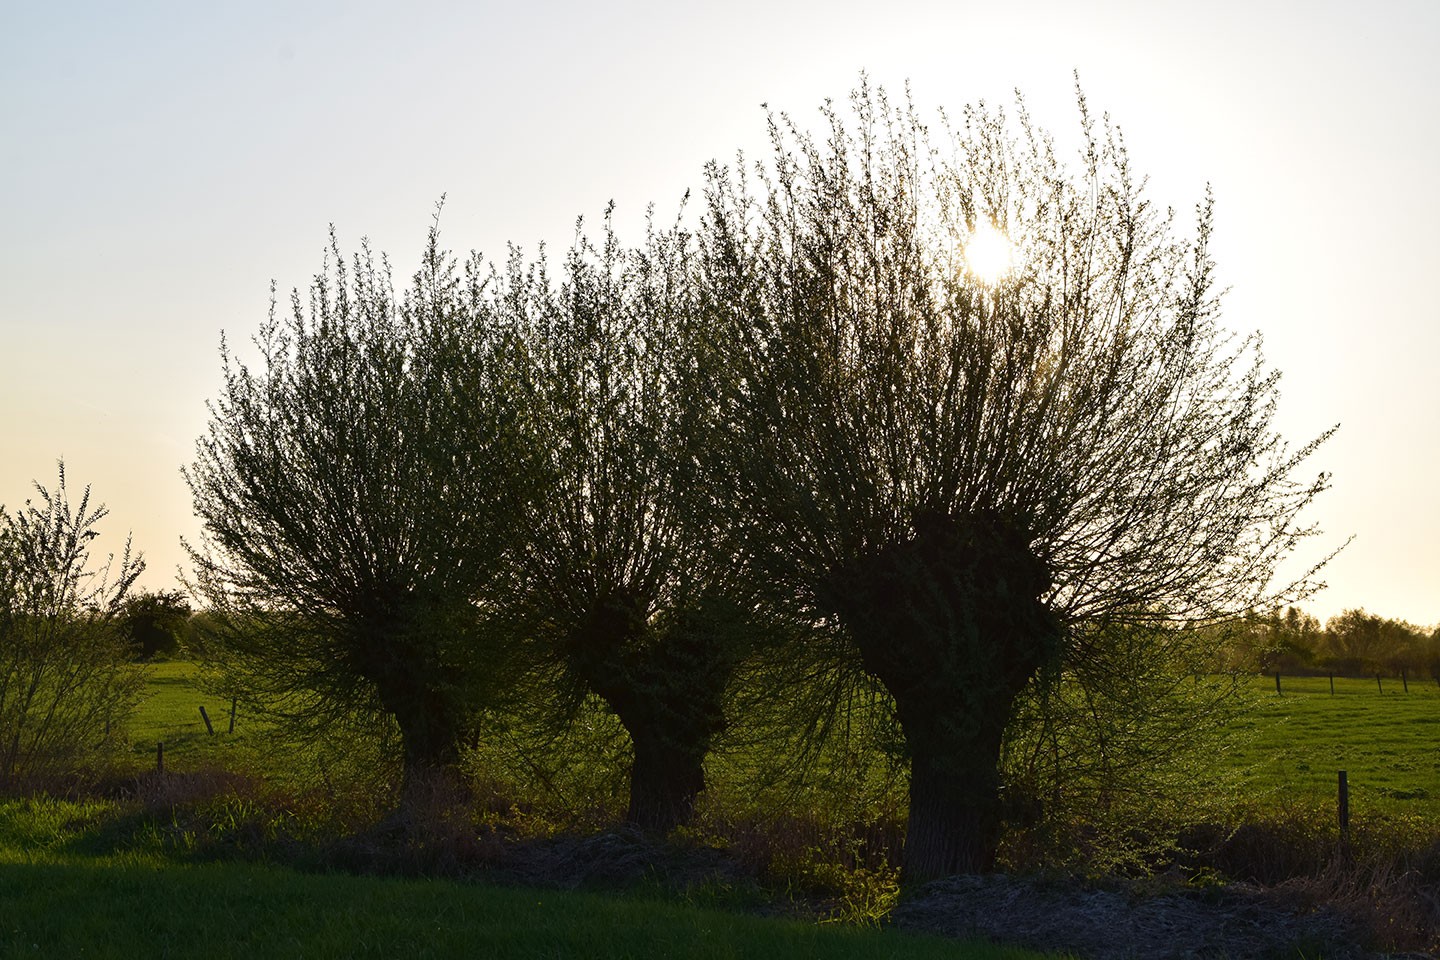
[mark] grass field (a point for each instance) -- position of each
(242, 911)
(1388, 743)
(1290, 747)
(73, 883)
(170, 714)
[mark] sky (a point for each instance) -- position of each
(162, 163)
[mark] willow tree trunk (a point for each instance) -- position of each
(667, 686)
(419, 695)
(665, 779)
(951, 622)
(430, 733)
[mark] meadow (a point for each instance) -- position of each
(1286, 750)
(234, 851)
(182, 867)
(1293, 744)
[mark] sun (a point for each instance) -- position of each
(989, 255)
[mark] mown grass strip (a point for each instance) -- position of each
(79, 909)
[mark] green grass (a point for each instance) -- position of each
(235, 910)
(1290, 746)
(56, 901)
(169, 713)
(86, 879)
(1388, 743)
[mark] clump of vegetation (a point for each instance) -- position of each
(355, 493)
(1353, 644)
(972, 473)
(66, 688)
(155, 622)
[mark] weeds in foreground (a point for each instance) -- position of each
(1385, 877)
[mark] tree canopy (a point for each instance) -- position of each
(353, 488)
(960, 466)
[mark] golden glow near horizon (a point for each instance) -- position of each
(989, 254)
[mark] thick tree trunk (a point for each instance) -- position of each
(667, 688)
(431, 744)
(951, 623)
(671, 719)
(665, 780)
(431, 727)
(955, 818)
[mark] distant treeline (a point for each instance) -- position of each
(1354, 643)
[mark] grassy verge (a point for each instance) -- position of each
(236, 910)
(57, 901)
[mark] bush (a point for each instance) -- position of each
(65, 684)
(155, 622)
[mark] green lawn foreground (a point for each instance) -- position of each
(77, 909)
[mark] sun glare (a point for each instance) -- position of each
(989, 255)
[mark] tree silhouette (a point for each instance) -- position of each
(623, 578)
(958, 467)
(352, 489)
(154, 621)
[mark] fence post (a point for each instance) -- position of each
(206, 717)
(1332, 684)
(1277, 684)
(1377, 684)
(1403, 682)
(233, 702)
(1344, 809)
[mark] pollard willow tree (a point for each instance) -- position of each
(353, 489)
(624, 578)
(966, 468)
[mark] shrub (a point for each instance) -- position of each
(65, 684)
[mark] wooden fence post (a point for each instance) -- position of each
(1377, 684)
(1277, 684)
(1332, 684)
(206, 717)
(1344, 809)
(233, 702)
(1403, 682)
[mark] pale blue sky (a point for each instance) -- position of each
(161, 162)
